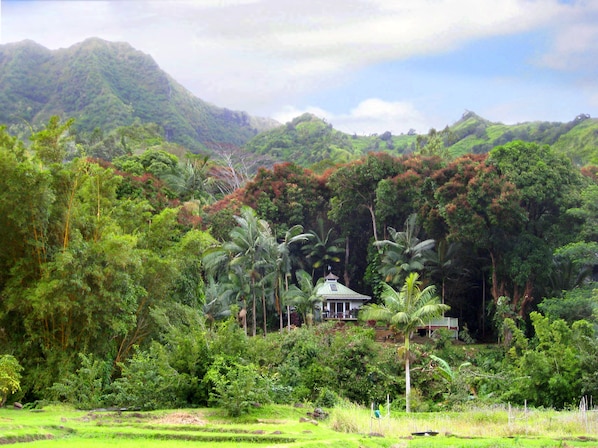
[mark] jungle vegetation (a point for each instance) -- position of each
(160, 278)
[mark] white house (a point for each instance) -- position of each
(340, 302)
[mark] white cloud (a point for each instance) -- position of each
(574, 39)
(255, 55)
(370, 116)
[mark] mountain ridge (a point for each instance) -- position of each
(107, 85)
(312, 142)
(110, 84)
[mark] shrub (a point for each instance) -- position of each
(10, 377)
(86, 388)
(148, 382)
(236, 387)
(327, 398)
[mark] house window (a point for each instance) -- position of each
(333, 287)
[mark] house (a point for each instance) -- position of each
(340, 302)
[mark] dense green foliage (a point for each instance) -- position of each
(135, 283)
(308, 140)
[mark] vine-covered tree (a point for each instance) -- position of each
(545, 181)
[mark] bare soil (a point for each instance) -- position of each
(183, 418)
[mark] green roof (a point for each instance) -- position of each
(331, 289)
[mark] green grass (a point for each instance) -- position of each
(348, 426)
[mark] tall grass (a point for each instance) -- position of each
(490, 422)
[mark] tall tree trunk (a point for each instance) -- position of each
(526, 298)
(243, 316)
(281, 324)
(254, 312)
(407, 376)
(277, 302)
(286, 289)
(373, 215)
(264, 312)
(498, 287)
(346, 273)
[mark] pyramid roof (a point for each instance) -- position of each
(331, 289)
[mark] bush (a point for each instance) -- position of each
(236, 387)
(10, 377)
(327, 398)
(86, 388)
(148, 382)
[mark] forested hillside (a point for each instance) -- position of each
(107, 85)
(157, 279)
(311, 142)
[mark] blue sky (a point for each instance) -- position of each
(366, 66)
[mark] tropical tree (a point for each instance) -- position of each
(305, 297)
(244, 255)
(50, 144)
(444, 265)
(283, 266)
(546, 182)
(404, 252)
(354, 189)
(10, 377)
(192, 180)
(218, 301)
(473, 204)
(405, 311)
(321, 249)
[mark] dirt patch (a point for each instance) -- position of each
(182, 418)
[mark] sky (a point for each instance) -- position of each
(366, 66)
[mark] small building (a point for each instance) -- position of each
(446, 323)
(340, 302)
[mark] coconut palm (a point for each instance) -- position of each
(305, 297)
(321, 249)
(192, 180)
(405, 311)
(404, 252)
(244, 255)
(283, 266)
(218, 299)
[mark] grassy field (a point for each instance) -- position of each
(286, 426)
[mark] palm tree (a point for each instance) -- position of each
(284, 264)
(305, 297)
(321, 249)
(192, 180)
(232, 284)
(248, 243)
(444, 267)
(218, 298)
(405, 311)
(404, 253)
(244, 255)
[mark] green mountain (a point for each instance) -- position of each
(107, 85)
(474, 134)
(310, 141)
